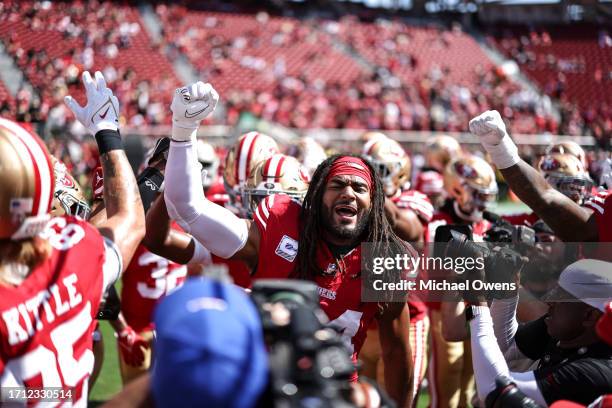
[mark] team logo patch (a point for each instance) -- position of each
(331, 269)
(466, 171)
(287, 248)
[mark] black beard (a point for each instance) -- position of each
(341, 231)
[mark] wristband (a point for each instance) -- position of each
(181, 134)
(149, 183)
(505, 154)
(108, 140)
(201, 255)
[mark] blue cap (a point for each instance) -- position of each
(209, 349)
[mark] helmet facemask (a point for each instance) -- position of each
(576, 188)
(71, 205)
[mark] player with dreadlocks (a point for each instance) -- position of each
(344, 206)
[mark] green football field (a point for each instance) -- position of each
(109, 381)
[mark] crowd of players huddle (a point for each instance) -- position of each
(269, 215)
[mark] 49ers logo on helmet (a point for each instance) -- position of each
(550, 164)
(465, 171)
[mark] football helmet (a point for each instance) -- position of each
(279, 174)
(440, 150)
(27, 182)
(571, 148)
(391, 162)
(210, 163)
(240, 162)
(566, 174)
(372, 136)
(470, 182)
(68, 198)
(310, 153)
(250, 149)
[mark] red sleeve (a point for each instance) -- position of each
(417, 202)
(601, 205)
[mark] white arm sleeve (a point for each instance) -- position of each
(213, 226)
(505, 325)
(489, 363)
(113, 264)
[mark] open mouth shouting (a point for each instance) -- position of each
(345, 213)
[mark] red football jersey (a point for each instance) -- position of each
(419, 203)
(601, 204)
(147, 279)
(429, 182)
(47, 323)
(277, 218)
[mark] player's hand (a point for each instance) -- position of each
(489, 127)
(102, 109)
(193, 103)
(132, 347)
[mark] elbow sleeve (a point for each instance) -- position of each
(213, 226)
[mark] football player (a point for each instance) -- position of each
(165, 239)
(310, 153)
(279, 174)
(250, 149)
(412, 211)
(53, 272)
(469, 182)
(68, 198)
(148, 278)
(571, 148)
(566, 174)
(569, 221)
(208, 159)
(319, 240)
(440, 150)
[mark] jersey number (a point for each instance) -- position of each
(165, 281)
(63, 236)
(48, 364)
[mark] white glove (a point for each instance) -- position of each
(102, 108)
(491, 130)
(190, 105)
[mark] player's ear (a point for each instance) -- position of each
(592, 315)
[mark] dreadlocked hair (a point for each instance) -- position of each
(378, 233)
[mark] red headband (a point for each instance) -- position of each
(350, 166)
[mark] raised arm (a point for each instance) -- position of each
(125, 222)
(406, 224)
(567, 219)
(215, 227)
(163, 240)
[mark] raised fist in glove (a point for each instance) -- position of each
(491, 130)
(132, 347)
(102, 109)
(489, 127)
(190, 105)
